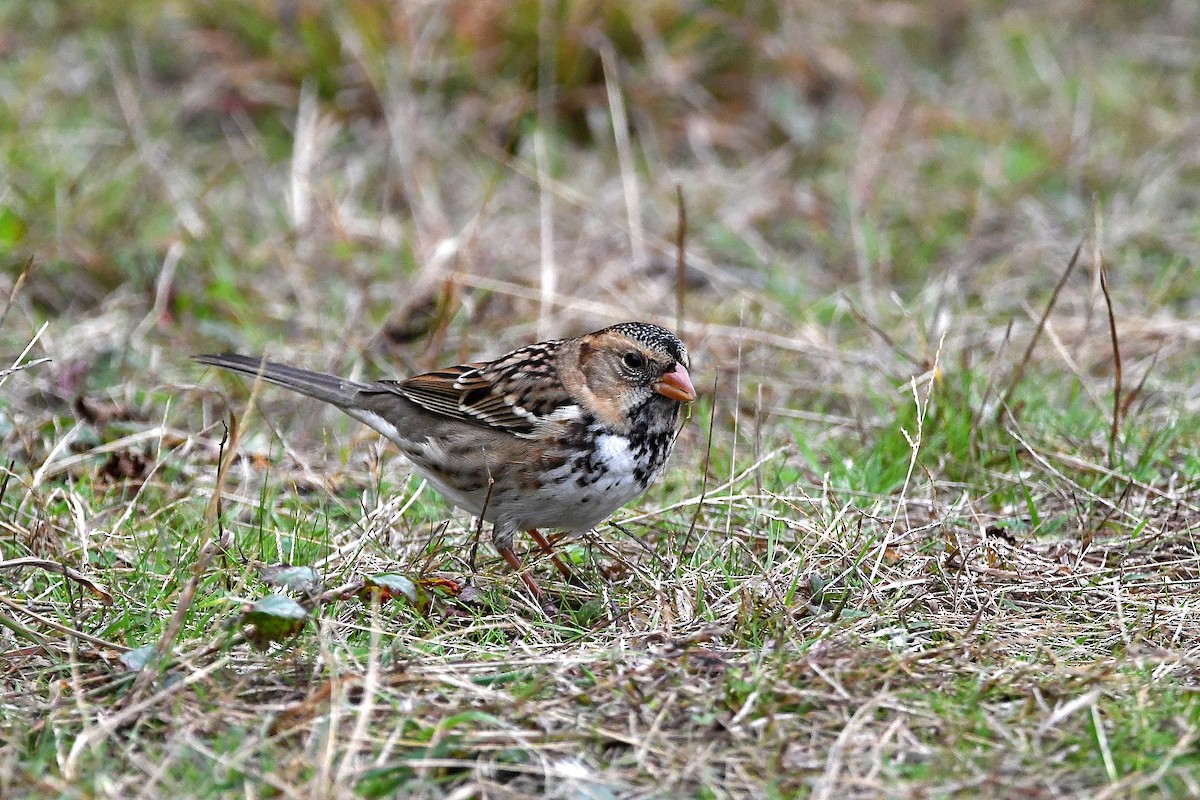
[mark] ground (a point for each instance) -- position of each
(928, 531)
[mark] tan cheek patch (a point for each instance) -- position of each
(611, 412)
(609, 409)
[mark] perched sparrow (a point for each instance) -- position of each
(558, 434)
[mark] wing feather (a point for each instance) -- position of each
(516, 393)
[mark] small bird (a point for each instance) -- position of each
(558, 434)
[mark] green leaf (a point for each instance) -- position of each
(135, 659)
(274, 618)
(12, 229)
(391, 584)
(297, 579)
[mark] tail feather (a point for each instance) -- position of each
(330, 388)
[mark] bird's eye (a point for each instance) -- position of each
(634, 360)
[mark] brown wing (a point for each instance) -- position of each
(513, 393)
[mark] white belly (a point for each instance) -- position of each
(575, 497)
(570, 504)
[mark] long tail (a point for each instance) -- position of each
(330, 388)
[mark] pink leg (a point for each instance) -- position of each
(548, 549)
(515, 563)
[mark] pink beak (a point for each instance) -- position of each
(676, 385)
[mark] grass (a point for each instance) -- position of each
(899, 551)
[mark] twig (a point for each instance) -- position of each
(637, 540)
(921, 363)
(8, 473)
(487, 499)
(1117, 375)
(1037, 333)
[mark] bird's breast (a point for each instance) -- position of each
(571, 478)
(590, 483)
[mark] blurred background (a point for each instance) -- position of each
(386, 186)
(923, 528)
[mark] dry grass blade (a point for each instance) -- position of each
(16, 289)
(72, 632)
(547, 64)
(366, 704)
(17, 364)
(4, 373)
(827, 785)
(620, 125)
(707, 465)
(206, 551)
(1136, 391)
(31, 636)
(92, 586)
(110, 724)
(680, 259)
